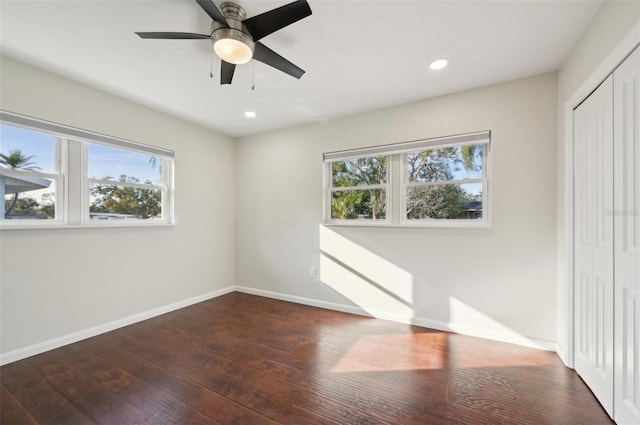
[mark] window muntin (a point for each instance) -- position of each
(30, 177)
(136, 188)
(431, 182)
(358, 188)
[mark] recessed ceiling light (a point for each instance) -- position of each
(250, 114)
(438, 64)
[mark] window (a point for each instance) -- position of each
(30, 176)
(433, 182)
(359, 188)
(107, 180)
(125, 185)
(444, 183)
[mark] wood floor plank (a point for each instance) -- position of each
(209, 403)
(12, 412)
(74, 386)
(274, 398)
(342, 395)
(241, 359)
(313, 379)
(47, 406)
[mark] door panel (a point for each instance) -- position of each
(593, 242)
(627, 240)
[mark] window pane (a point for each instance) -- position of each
(28, 198)
(358, 205)
(359, 172)
(119, 202)
(452, 163)
(23, 149)
(449, 202)
(115, 164)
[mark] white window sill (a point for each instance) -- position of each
(458, 224)
(37, 226)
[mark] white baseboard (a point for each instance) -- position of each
(495, 335)
(51, 344)
(306, 301)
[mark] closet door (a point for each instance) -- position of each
(627, 239)
(593, 243)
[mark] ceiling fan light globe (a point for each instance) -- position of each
(232, 46)
(233, 51)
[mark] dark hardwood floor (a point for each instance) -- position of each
(247, 360)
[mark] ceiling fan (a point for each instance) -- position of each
(236, 39)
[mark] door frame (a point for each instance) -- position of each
(565, 275)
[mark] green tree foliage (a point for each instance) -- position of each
(117, 199)
(32, 208)
(438, 201)
(359, 203)
(444, 201)
(356, 204)
(48, 208)
(27, 206)
(15, 160)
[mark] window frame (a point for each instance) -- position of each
(166, 190)
(329, 189)
(397, 181)
(58, 176)
(72, 183)
(457, 222)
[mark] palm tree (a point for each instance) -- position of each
(17, 161)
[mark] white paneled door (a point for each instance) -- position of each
(626, 95)
(607, 241)
(593, 243)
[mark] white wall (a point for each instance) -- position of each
(614, 21)
(498, 282)
(60, 281)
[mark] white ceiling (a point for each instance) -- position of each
(359, 55)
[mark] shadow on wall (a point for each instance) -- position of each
(386, 291)
(368, 280)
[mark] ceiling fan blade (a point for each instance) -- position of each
(267, 56)
(173, 35)
(213, 11)
(226, 72)
(266, 23)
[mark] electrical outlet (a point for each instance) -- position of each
(312, 272)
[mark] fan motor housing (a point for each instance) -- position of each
(232, 11)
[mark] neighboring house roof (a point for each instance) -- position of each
(472, 205)
(23, 184)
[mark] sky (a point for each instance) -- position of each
(29, 143)
(103, 161)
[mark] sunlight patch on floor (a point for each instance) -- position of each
(376, 353)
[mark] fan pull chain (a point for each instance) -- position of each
(211, 68)
(253, 76)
